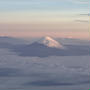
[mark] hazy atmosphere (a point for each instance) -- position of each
(44, 45)
(37, 18)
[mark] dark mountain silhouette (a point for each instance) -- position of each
(50, 47)
(40, 50)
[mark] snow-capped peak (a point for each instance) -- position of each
(48, 41)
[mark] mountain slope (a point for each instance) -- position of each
(49, 42)
(48, 47)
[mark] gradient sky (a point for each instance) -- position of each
(36, 18)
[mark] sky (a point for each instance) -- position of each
(38, 18)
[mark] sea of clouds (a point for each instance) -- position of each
(68, 72)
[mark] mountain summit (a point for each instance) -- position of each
(50, 42)
(49, 47)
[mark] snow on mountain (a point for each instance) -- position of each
(50, 42)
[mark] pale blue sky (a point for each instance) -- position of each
(44, 16)
(62, 5)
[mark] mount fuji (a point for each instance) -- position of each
(47, 46)
(43, 47)
(50, 42)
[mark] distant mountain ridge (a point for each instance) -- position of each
(47, 46)
(11, 40)
(44, 47)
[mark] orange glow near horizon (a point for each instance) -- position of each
(74, 35)
(63, 30)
